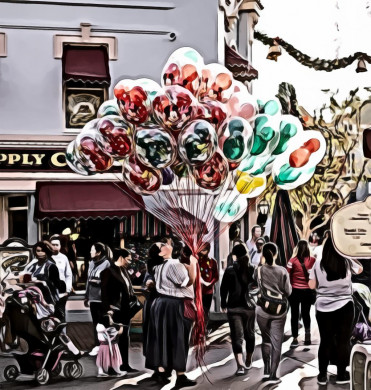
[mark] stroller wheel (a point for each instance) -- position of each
(57, 370)
(11, 373)
(42, 376)
(73, 370)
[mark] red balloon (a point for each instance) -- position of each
(212, 174)
(141, 179)
(174, 109)
(97, 159)
(212, 111)
(132, 104)
(299, 157)
(118, 134)
(171, 75)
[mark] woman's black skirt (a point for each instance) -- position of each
(168, 335)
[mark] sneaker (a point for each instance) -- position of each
(94, 351)
(161, 378)
(343, 379)
(120, 374)
(272, 380)
(295, 343)
(322, 379)
(248, 362)
(128, 369)
(183, 381)
(102, 375)
(240, 371)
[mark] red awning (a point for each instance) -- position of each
(85, 200)
(239, 66)
(86, 64)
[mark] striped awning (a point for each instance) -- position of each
(144, 224)
(240, 67)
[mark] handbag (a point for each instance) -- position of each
(306, 275)
(271, 303)
(134, 306)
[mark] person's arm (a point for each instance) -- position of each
(287, 287)
(53, 276)
(312, 282)
(224, 290)
(192, 270)
(357, 267)
(68, 276)
(105, 289)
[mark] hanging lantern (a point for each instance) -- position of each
(274, 51)
(361, 67)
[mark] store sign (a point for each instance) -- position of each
(13, 258)
(351, 229)
(36, 160)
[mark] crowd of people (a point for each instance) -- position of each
(256, 288)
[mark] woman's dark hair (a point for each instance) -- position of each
(45, 246)
(303, 250)
(120, 252)
(154, 258)
(269, 251)
(239, 250)
(243, 262)
(100, 247)
(335, 265)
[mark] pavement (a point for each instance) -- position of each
(298, 368)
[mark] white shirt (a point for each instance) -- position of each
(172, 278)
(335, 294)
(64, 269)
(251, 245)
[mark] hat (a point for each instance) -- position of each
(239, 250)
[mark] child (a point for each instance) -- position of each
(109, 353)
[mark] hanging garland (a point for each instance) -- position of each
(316, 63)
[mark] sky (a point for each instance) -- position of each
(319, 28)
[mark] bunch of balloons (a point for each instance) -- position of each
(199, 125)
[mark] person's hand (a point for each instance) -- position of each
(224, 309)
(150, 285)
(86, 302)
(207, 284)
(193, 260)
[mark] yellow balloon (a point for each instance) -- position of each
(246, 183)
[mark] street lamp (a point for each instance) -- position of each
(263, 207)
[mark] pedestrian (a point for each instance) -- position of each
(331, 277)
(149, 287)
(209, 276)
(302, 296)
(171, 319)
(44, 269)
(65, 275)
(117, 294)
(240, 306)
(230, 256)
(256, 233)
(274, 289)
(99, 262)
(256, 254)
(109, 353)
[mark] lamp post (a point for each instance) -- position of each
(263, 207)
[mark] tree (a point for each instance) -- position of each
(341, 169)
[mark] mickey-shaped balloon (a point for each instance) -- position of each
(197, 142)
(154, 147)
(212, 174)
(266, 135)
(118, 134)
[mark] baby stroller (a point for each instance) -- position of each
(39, 346)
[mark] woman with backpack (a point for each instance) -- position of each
(236, 299)
(274, 289)
(302, 296)
(332, 277)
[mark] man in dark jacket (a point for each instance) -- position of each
(117, 292)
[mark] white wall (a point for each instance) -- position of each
(31, 79)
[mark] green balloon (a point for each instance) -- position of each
(287, 131)
(234, 147)
(289, 175)
(262, 135)
(271, 107)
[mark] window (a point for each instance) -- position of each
(17, 216)
(86, 80)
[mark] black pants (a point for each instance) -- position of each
(206, 302)
(60, 309)
(124, 340)
(299, 297)
(97, 317)
(242, 323)
(335, 329)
